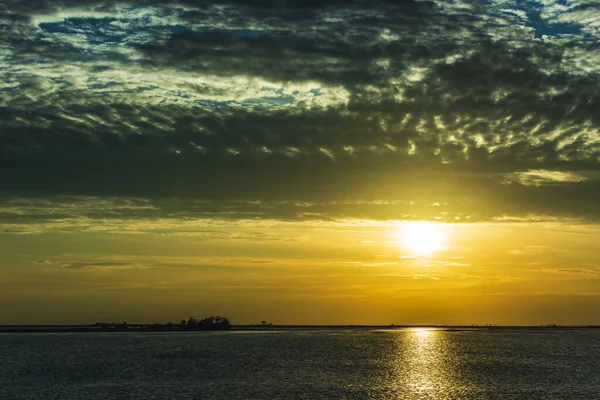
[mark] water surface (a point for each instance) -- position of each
(315, 364)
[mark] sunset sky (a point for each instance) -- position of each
(270, 159)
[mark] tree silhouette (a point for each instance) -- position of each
(210, 323)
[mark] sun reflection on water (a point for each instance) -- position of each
(422, 367)
(422, 332)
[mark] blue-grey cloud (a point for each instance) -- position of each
(487, 109)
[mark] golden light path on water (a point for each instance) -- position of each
(422, 368)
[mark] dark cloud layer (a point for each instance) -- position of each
(487, 109)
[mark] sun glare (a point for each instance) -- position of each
(422, 332)
(422, 238)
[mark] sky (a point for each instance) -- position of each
(268, 159)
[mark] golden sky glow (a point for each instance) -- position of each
(322, 273)
(327, 162)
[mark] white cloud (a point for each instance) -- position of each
(542, 177)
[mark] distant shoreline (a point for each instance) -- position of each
(149, 329)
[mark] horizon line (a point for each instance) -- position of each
(270, 326)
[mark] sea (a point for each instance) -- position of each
(415, 363)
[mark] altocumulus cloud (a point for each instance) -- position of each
(296, 110)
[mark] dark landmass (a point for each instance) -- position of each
(222, 324)
(207, 324)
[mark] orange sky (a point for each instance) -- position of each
(353, 272)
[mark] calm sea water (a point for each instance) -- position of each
(336, 364)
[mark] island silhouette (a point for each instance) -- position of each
(211, 323)
(218, 323)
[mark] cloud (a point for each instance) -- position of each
(94, 265)
(488, 110)
(257, 221)
(544, 177)
(592, 272)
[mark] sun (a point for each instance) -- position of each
(422, 238)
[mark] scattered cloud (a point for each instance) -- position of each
(94, 265)
(486, 109)
(257, 221)
(544, 177)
